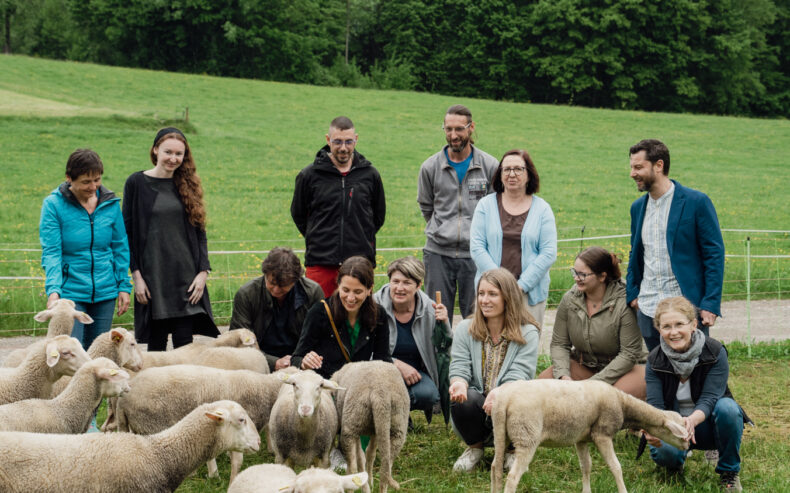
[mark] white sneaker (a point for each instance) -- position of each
(468, 460)
(510, 458)
(337, 462)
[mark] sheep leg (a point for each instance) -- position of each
(211, 465)
(521, 463)
(370, 458)
(583, 451)
(236, 459)
(110, 423)
(606, 448)
(354, 458)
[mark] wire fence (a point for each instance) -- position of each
(757, 266)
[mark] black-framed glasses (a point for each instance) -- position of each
(581, 275)
(347, 142)
(518, 171)
(458, 130)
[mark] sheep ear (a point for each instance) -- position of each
(116, 336)
(354, 481)
(43, 316)
(53, 354)
(83, 317)
(331, 385)
(217, 415)
(248, 340)
(112, 374)
(677, 429)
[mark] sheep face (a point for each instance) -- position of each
(62, 308)
(315, 480)
(672, 430)
(113, 382)
(65, 355)
(236, 426)
(307, 386)
(129, 353)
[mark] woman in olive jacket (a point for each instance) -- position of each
(595, 332)
(360, 322)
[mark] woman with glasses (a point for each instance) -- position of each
(497, 345)
(688, 372)
(514, 229)
(595, 332)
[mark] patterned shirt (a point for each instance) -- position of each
(493, 357)
(658, 280)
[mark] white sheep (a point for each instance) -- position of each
(61, 318)
(231, 338)
(161, 396)
(118, 345)
(124, 462)
(375, 402)
(46, 362)
(264, 478)
(315, 480)
(71, 411)
(558, 413)
(303, 421)
(229, 358)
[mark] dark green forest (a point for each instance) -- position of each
(697, 56)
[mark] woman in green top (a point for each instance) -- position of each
(361, 324)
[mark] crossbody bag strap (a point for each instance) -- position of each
(334, 329)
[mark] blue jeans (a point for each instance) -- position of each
(722, 431)
(101, 313)
(650, 333)
(423, 394)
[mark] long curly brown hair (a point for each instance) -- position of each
(187, 182)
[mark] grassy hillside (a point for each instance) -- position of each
(250, 138)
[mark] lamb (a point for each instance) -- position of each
(264, 478)
(118, 345)
(46, 362)
(315, 480)
(124, 462)
(375, 402)
(61, 320)
(558, 413)
(71, 411)
(275, 478)
(303, 421)
(161, 396)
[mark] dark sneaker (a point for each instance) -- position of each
(729, 481)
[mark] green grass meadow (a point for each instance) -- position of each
(250, 139)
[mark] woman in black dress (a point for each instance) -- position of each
(166, 225)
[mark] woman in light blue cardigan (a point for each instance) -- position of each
(514, 228)
(497, 345)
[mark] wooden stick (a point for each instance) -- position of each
(438, 297)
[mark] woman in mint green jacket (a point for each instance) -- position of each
(499, 344)
(85, 254)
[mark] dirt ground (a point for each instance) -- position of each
(770, 320)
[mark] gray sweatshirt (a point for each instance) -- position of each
(448, 206)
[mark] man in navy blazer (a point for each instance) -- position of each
(676, 243)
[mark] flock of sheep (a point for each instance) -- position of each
(178, 409)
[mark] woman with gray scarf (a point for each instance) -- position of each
(688, 373)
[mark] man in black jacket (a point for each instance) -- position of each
(338, 205)
(274, 306)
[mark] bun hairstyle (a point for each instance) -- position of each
(601, 261)
(185, 178)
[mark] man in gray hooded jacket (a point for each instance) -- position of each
(450, 184)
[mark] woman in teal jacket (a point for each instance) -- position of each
(85, 254)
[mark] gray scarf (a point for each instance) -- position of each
(684, 362)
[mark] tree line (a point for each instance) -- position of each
(703, 56)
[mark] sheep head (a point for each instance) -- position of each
(237, 429)
(316, 480)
